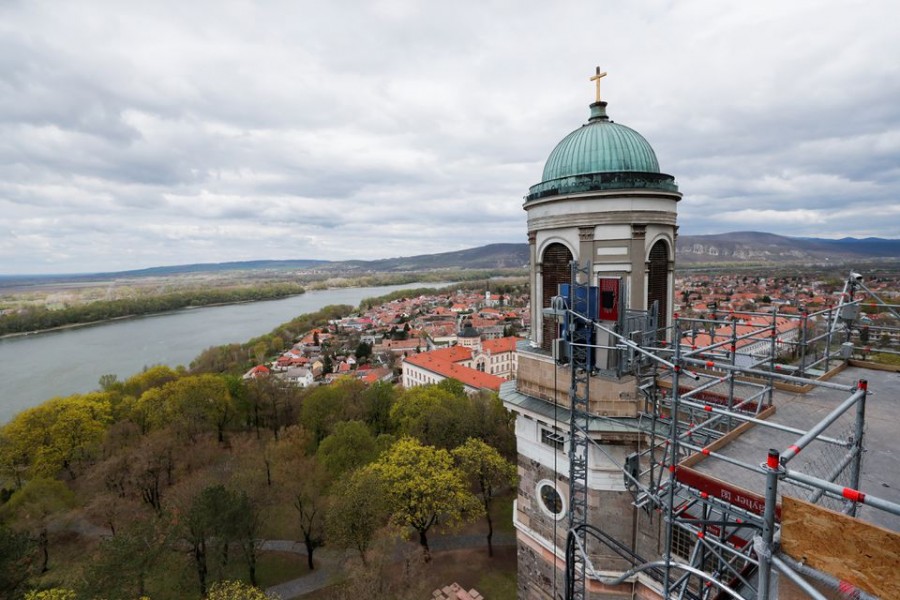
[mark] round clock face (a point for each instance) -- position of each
(551, 499)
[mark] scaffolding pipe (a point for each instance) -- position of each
(637, 348)
(764, 548)
(718, 417)
(832, 325)
(795, 448)
(781, 376)
(716, 545)
(723, 458)
(703, 386)
(749, 519)
(795, 577)
(726, 341)
(732, 359)
(843, 492)
(833, 474)
(762, 422)
(845, 588)
(858, 431)
(877, 299)
(667, 564)
(804, 324)
(673, 460)
(819, 337)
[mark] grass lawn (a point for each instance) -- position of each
(501, 513)
(494, 578)
(177, 578)
(281, 522)
(174, 576)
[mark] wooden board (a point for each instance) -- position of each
(860, 553)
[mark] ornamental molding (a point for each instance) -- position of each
(592, 219)
(586, 234)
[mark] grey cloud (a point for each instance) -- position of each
(137, 135)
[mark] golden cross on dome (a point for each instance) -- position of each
(596, 78)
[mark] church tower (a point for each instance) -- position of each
(602, 199)
(604, 204)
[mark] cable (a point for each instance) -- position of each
(555, 468)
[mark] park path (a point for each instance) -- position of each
(328, 563)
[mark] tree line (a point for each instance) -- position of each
(187, 473)
(39, 318)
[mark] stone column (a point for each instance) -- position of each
(536, 289)
(585, 246)
(638, 292)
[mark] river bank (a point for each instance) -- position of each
(134, 316)
(36, 367)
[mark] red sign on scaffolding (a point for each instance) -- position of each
(716, 488)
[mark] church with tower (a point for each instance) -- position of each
(604, 205)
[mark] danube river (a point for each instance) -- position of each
(34, 368)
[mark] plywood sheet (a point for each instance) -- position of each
(860, 553)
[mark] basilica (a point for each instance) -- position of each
(602, 203)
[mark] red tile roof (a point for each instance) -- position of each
(505, 344)
(445, 368)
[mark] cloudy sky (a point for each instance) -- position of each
(170, 132)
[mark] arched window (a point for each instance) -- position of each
(658, 280)
(555, 270)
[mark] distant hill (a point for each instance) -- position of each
(492, 256)
(757, 247)
(737, 247)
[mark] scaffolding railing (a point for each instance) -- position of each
(720, 538)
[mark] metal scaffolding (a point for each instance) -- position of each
(720, 540)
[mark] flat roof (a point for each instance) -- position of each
(880, 474)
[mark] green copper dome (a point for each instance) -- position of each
(601, 155)
(600, 146)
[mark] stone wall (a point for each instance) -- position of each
(540, 377)
(610, 511)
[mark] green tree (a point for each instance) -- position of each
(260, 349)
(197, 528)
(277, 343)
(110, 382)
(490, 422)
(325, 406)
(424, 488)
(350, 446)
(488, 472)
(121, 564)
(21, 441)
(435, 414)
(77, 432)
(193, 404)
(357, 511)
(308, 497)
(377, 401)
(33, 507)
(150, 378)
(363, 351)
(269, 404)
(17, 558)
(60, 434)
